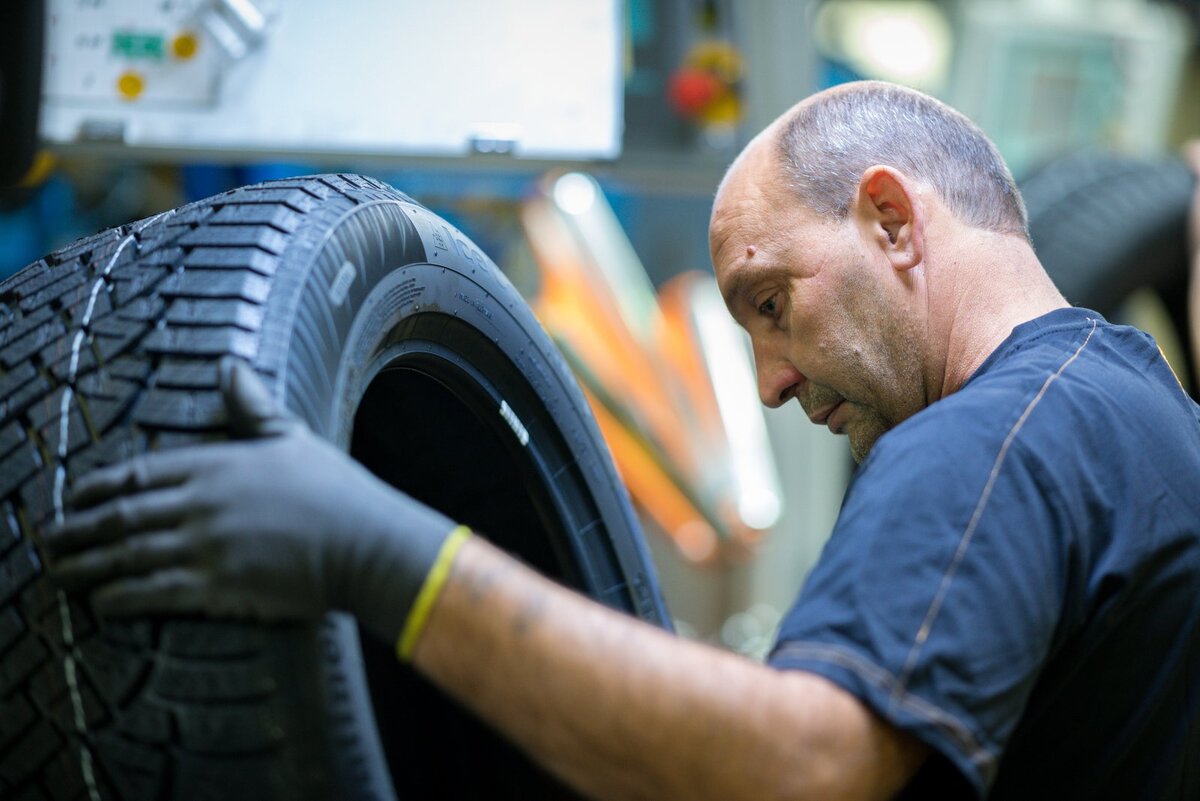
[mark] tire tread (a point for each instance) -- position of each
(156, 300)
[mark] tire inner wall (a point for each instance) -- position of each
(416, 434)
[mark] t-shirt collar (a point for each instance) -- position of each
(1067, 317)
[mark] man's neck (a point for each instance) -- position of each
(984, 299)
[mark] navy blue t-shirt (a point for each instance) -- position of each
(1015, 575)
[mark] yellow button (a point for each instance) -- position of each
(130, 85)
(185, 45)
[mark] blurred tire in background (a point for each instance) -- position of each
(1113, 229)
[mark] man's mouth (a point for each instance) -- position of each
(822, 415)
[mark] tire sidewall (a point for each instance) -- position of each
(406, 262)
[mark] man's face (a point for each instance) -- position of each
(826, 316)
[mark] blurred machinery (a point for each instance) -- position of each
(705, 88)
(1041, 77)
(246, 77)
(667, 373)
(493, 90)
(21, 35)
(669, 378)
(906, 41)
(1046, 78)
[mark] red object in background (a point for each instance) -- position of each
(691, 90)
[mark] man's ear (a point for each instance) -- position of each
(889, 208)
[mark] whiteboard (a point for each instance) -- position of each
(533, 78)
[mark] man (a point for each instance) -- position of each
(1009, 604)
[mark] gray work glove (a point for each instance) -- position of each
(280, 526)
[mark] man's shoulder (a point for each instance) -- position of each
(1077, 392)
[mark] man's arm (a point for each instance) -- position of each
(620, 709)
(283, 526)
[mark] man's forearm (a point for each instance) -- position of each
(622, 710)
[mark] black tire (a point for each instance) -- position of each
(1105, 225)
(391, 335)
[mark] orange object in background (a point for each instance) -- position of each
(641, 361)
(679, 347)
(654, 491)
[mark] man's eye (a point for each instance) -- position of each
(767, 307)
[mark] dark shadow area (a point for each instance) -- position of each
(437, 445)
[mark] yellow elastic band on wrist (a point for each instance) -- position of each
(418, 616)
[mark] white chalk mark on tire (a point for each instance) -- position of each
(60, 475)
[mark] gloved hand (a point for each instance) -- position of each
(280, 526)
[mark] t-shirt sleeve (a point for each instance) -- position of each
(936, 599)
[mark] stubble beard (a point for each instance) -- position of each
(892, 382)
(884, 371)
(863, 430)
(904, 395)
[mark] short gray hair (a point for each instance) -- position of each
(828, 143)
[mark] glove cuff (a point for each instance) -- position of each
(431, 588)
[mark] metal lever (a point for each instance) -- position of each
(237, 26)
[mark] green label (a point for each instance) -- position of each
(139, 45)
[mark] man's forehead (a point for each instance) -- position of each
(740, 198)
(738, 235)
(737, 227)
(757, 161)
(744, 209)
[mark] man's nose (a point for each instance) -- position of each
(778, 380)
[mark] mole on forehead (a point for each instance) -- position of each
(750, 251)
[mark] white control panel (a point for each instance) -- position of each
(533, 78)
(144, 54)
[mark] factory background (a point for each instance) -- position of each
(593, 135)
